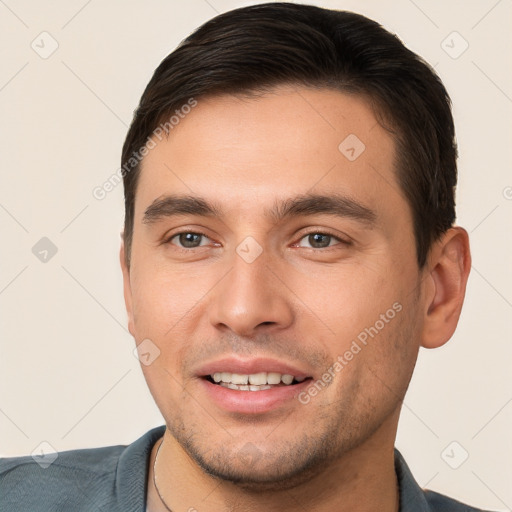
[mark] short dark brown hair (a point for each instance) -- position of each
(252, 49)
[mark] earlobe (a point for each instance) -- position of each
(449, 264)
(127, 291)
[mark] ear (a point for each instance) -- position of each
(448, 267)
(127, 287)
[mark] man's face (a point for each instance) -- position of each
(305, 259)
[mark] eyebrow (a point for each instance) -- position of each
(318, 204)
(171, 205)
(302, 205)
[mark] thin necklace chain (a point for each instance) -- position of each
(154, 478)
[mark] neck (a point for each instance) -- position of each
(363, 479)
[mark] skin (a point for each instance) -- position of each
(295, 303)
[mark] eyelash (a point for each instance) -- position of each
(317, 232)
(184, 249)
(340, 241)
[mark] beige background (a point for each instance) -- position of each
(68, 374)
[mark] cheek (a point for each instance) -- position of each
(392, 348)
(160, 299)
(165, 386)
(346, 299)
(370, 317)
(379, 362)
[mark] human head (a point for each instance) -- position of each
(240, 161)
(251, 49)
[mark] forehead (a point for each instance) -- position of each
(290, 141)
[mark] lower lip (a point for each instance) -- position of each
(252, 402)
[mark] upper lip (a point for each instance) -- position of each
(250, 366)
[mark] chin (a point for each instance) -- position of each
(273, 469)
(265, 478)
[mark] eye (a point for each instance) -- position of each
(319, 240)
(189, 240)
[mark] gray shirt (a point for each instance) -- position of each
(114, 479)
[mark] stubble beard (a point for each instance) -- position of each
(340, 426)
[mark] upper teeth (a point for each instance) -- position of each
(256, 379)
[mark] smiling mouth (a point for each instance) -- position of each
(255, 381)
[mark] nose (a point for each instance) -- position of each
(252, 298)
